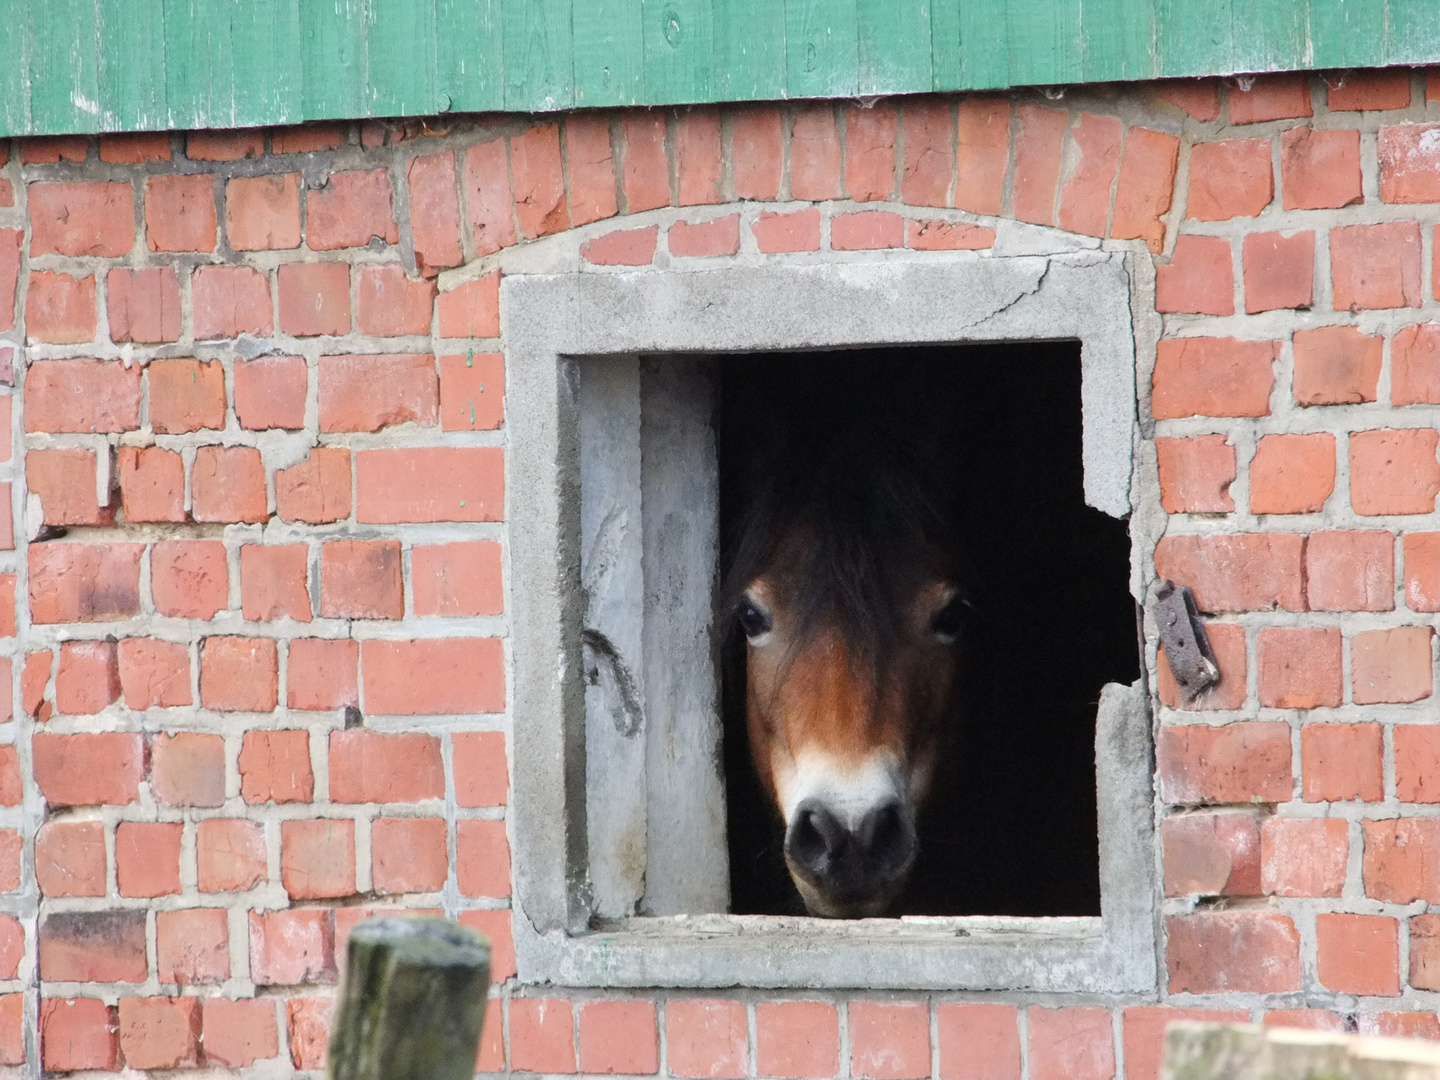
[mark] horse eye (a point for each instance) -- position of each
(753, 621)
(945, 623)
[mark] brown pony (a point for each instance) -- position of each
(844, 582)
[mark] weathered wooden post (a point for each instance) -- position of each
(412, 1003)
(1245, 1052)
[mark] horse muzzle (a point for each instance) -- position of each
(849, 869)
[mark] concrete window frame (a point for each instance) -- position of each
(552, 324)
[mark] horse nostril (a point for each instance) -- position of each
(887, 836)
(814, 839)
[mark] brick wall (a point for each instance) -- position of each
(253, 588)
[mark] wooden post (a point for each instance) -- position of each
(413, 1001)
(1243, 1052)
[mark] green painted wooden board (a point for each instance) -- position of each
(79, 66)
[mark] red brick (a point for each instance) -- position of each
(462, 578)
(645, 177)
(1319, 170)
(1425, 952)
(626, 247)
(234, 145)
(720, 236)
(797, 1039)
(779, 233)
(275, 767)
(1394, 472)
(388, 304)
(1234, 763)
(1390, 665)
(160, 1032)
(270, 392)
(373, 391)
(408, 855)
(12, 1029)
(186, 395)
(154, 674)
(230, 301)
(1336, 365)
(88, 218)
(1200, 98)
(1415, 365)
(1304, 856)
(480, 769)
(1358, 954)
(189, 578)
(983, 152)
(1228, 643)
(495, 925)
(539, 181)
(814, 153)
(1269, 97)
(947, 236)
(70, 858)
(1213, 377)
(1211, 854)
(1245, 572)
(52, 149)
(34, 678)
(314, 298)
(1409, 164)
(136, 148)
(1299, 667)
(147, 857)
(1216, 952)
(706, 1038)
(1417, 763)
(867, 230)
(1144, 1025)
(229, 854)
(307, 138)
(889, 1041)
(88, 679)
(542, 1037)
(487, 197)
(619, 1037)
(239, 1033)
(91, 769)
(143, 305)
(1037, 162)
(349, 210)
(60, 308)
(757, 153)
(323, 674)
(291, 947)
(10, 240)
(11, 788)
(699, 162)
(317, 858)
(929, 166)
(976, 1041)
(1402, 857)
(1145, 189)
(238, 674)
(309, 1022)
(1376, 266)
(472, 392)
(192, 946)
(180, 213)
(435, 212)
(64, 482)
(368, 767)
(1199, 279)
(1353, 91)
(361, 579)
(471, 310)
(482, 859)
(1350, 571)
(870, 136)
(1229, 179)
(1400, 1025)
(1279, 271)
(1341, 762)
(227, 484)
(273, 582)
(1292, 474)
(1085, 198)
(1071, 1044)
(78, 1033)
(188, 769)
(591, 166)
(446, 675)
(430, 484)
(1196, 474)
(317, 490)
(263, 212)
(93, 946)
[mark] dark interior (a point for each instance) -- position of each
(1011, 826)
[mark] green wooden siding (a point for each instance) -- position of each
(74, 66)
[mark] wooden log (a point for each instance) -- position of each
(1245, 1052)
(413, 1001)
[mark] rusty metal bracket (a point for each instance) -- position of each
(1187, 649)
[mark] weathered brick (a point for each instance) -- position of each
(70, 858)
(1417, 763)
(1279, 271)
(430, 484)
(447, 675)
(270, 392)
(435, 212)
(1375, 266)
(160, 1032)
(1196, 474)
(273, 582)
(1425, 952)
(719, 236)
(52, 149)
(323, 674)
(1037, 162)
(1402, 859)
(983, 154)
(317, 858)
(180, 213)
(229, 301)
(227, 484)
(234, 145)
(1144, 1025)
(388, 304)
(372, 391)
(1229, 179)
(870, 137)
(93, 946)
(189, 579)
(1227, 641)
(1378, 90)
(64, 482)
(275, 766)
(1213, 377)
(87, 396)
(60, 308)
(361, 579)
(88, 678)
(188, 769)
(317, 490)
(1085, 198)
(1292, 474)
(1336, 365)
(625, 247)
(591, 166)
(309, 1022)
(408, 855)
(369, 767)
(1339, 762)
(238, 1033)
(1391, 665)
(349, 210)
(1269, 97)
(78, 1033)
(1211, 854)
(797, 1039)
(699, 161)
(1304, 856)
(263, 212)
(1358, 954)
(1076, 1043)
(307, 138)
(756, 156)
(288, 948)
(85, 218)
(143, 305)
(186, 395)
(481, 773)
(314, 298)
(1216, 952)
(619, 1037)
(462, 578)
(947, 236)
(1415, 365)
(1200, 278)
(867, 230)
(487, 197)
(482, 859)
(154, 674)
(1394, 472)
(814, 154)
(1422, 571)
(135, 148)
(779, 233)
(928, 170)
(889, 1040)
(1300, 667)
(707, 1038)
(1350, 570)
(471, 310)
(238, 674)
(229, 854)
(83, 582)
(147, 858)
(1237, 763)
(645, 177)
(539, 181)
(1245, 572)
